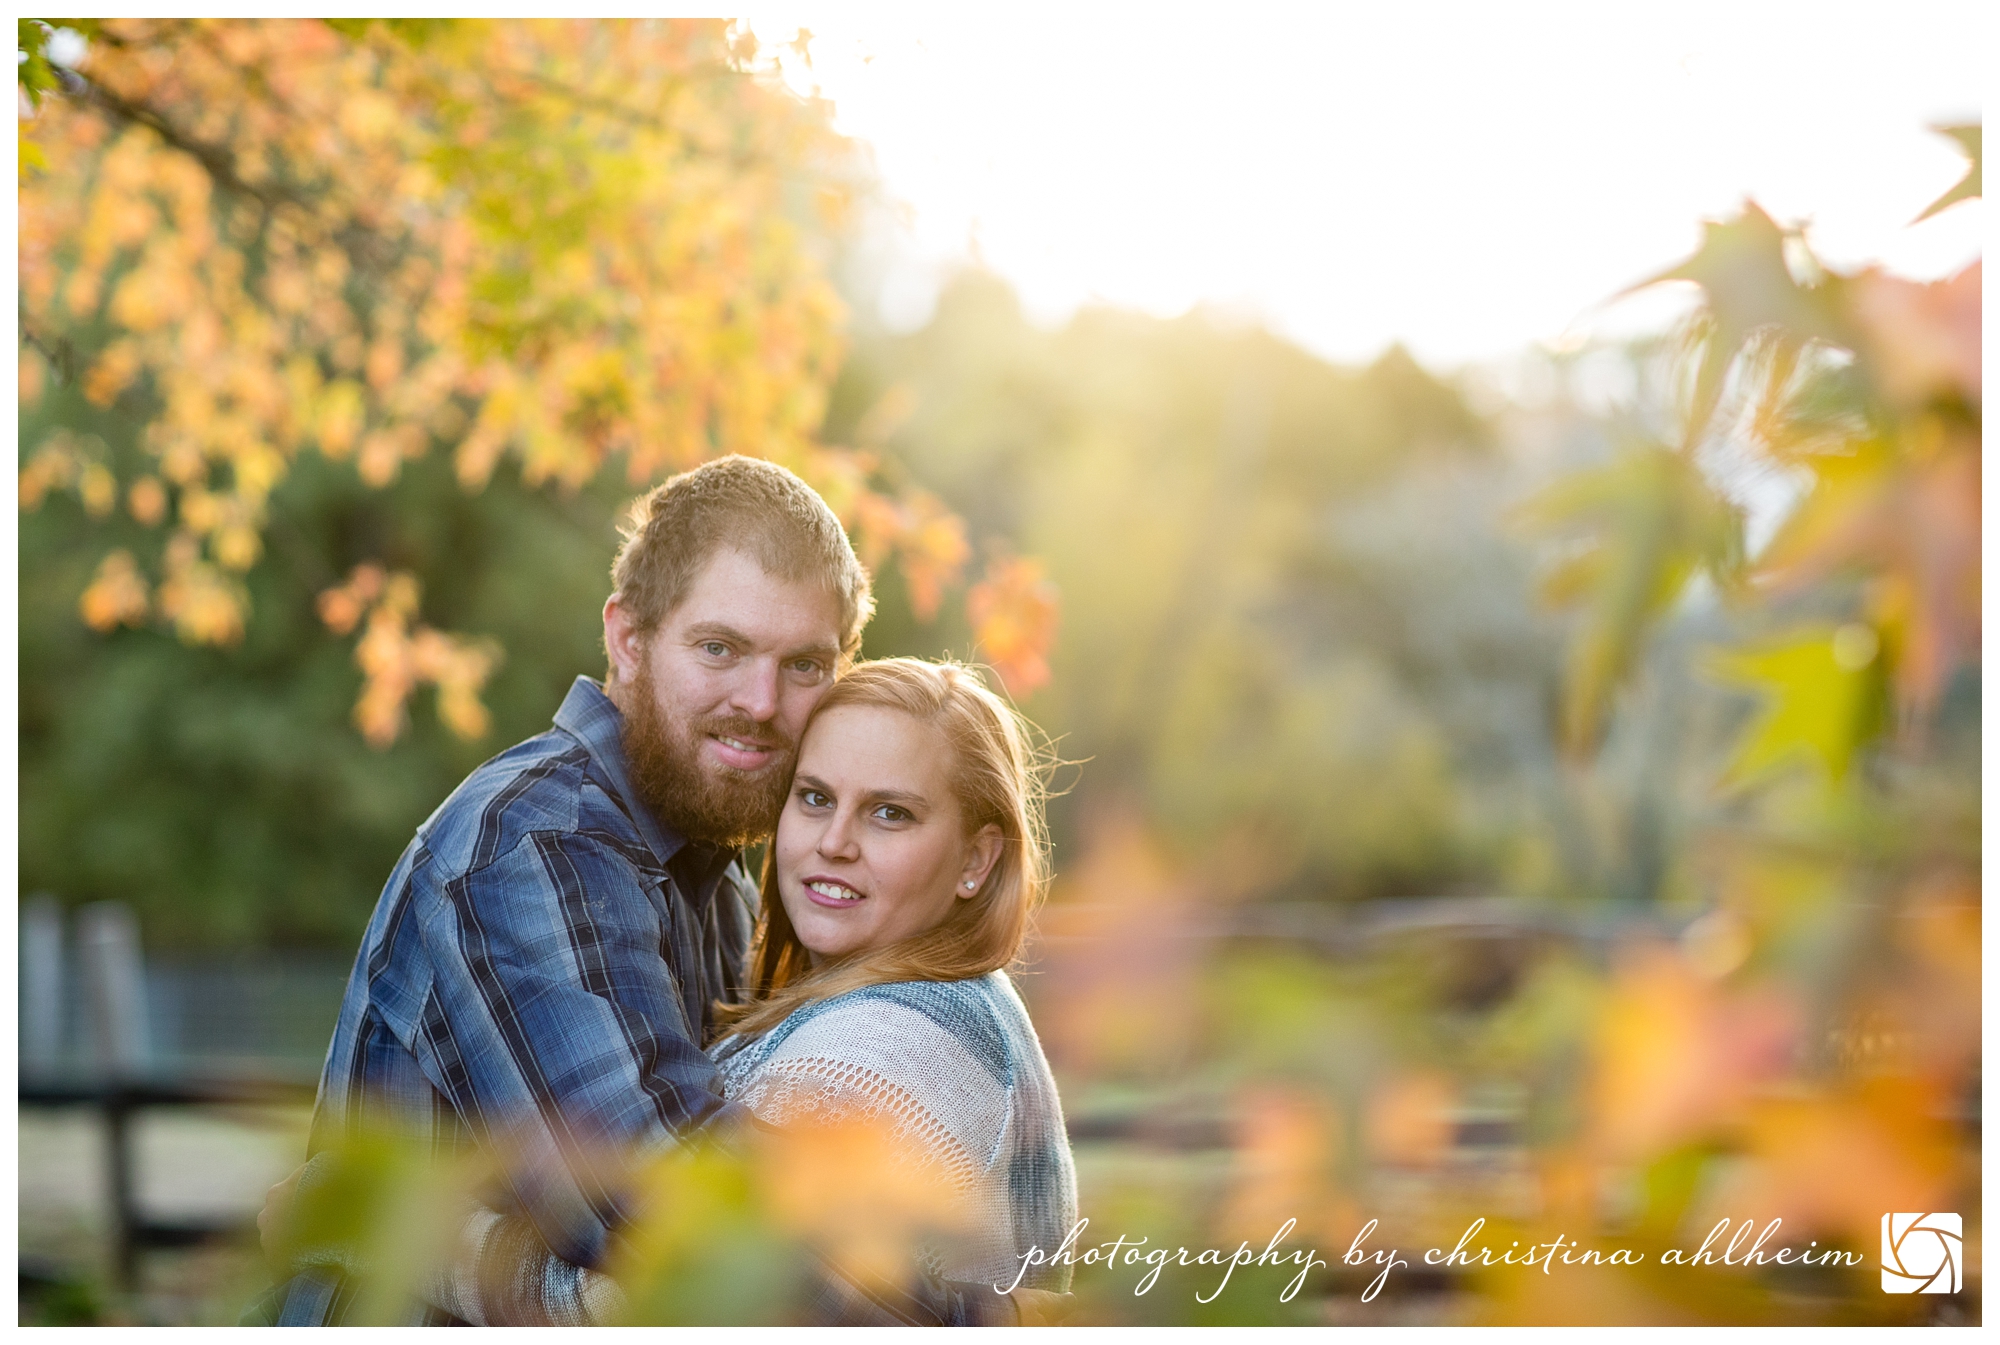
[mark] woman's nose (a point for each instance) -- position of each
(838, 841)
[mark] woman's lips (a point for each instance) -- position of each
(832, 892)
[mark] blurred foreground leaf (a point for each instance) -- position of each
(1823, 694)
(1967, 187)
(1645, 524)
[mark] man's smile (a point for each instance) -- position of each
(745, 754)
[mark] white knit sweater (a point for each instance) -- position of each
(955, 1069)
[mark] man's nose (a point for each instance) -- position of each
(755, 694)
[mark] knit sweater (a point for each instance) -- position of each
(952, 1068)
(955, 1070)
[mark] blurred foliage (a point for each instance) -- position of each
(726, 1235)
(1715, 954)
(1787, 1030)
(1560, 810)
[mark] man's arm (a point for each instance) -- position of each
(502, 1275)
(556, 1028)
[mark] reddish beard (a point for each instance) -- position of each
(701, 798)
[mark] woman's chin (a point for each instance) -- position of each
(829, 946)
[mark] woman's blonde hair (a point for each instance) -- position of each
(997, 777)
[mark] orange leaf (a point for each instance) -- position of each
(1014, 614)
(1922, 340)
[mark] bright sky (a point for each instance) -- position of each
(1464, 178)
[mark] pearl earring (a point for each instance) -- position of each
(969, 884)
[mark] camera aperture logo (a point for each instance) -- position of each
(1923, 1253)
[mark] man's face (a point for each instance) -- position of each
(715, 698)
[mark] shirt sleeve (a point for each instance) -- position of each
(556, 1028)
(500, 1274)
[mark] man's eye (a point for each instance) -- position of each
(714, 648)
(806, 667)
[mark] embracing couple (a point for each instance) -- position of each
(571, 953)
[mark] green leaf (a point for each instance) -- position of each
(414, 33)
(1968, 186)
(33, 73)
(1651, 521)
(1749, 292)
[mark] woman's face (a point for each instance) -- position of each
(871, 846)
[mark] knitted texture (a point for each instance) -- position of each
(956, 1071)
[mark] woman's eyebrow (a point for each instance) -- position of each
(902, 798)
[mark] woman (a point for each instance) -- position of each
(908, 857)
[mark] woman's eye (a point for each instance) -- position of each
(889, 812)
(813, 798)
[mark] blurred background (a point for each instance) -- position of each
(1525, 735)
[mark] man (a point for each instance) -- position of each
(540, 968)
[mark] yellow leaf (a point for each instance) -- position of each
(147, 500)
(1824, 699)
(205, 607)
(117, 596)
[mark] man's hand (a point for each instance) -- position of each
(1038, 1307)
(277, 1212)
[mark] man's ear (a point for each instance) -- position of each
(980, 856)
(624, 643)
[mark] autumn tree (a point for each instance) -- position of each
(333, 326)
(571, 243)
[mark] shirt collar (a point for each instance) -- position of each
(588, 714)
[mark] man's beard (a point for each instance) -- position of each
(704, 801)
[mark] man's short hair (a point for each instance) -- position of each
(758, 508)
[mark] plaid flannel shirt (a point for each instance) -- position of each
(539, 973)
